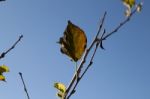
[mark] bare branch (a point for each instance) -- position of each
(98, 42)
(12, 47)
(91, 62)
(84, 60)
(2, 0)
(25, 88)
(120, 25)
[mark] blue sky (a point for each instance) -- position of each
(122, 71)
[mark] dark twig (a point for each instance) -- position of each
(96, 41)
(2, 0)
(120, 25)
(91, 62)
(83, 60)
(12, 47)
(25, 88)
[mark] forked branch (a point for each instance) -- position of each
(83, 61)
(97, 41)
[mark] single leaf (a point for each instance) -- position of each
(73, 42)
(2, 78)
(60, 86)
(129, 3)
(4, 68)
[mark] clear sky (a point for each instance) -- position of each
(122, 71)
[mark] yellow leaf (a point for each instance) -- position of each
(129, 3)
(2, 78)
(4, 68)
(60, 86)
(73, 42)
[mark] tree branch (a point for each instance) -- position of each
(84, 59)
(120, 25)
(12, 47)
(2, 0)
(91, 62)
(25, 88)
(96, 41)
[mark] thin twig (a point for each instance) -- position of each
(87, 52)
(12, 47)
(120, 25)
(2, 0)
(25, 88)
(91, 62)
(84, 59)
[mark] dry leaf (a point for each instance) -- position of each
(73, 42)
